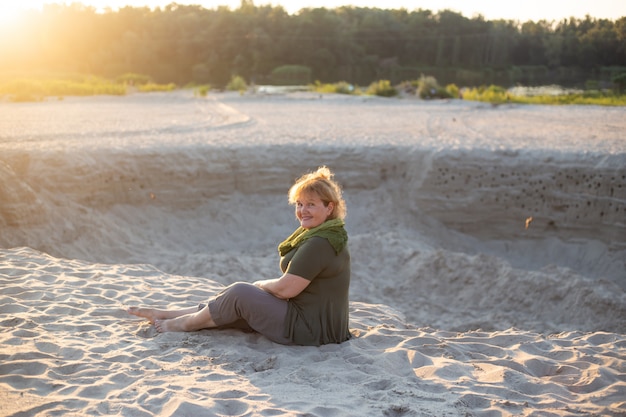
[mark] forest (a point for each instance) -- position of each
(187, 44)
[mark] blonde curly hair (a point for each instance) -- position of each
(321, 183)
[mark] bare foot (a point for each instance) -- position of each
(171, 325)
(153, 314)
(146, 313)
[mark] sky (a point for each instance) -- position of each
(521, 10)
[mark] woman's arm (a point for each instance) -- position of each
(285, 287)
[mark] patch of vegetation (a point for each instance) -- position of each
(180, 44)
(453, 90)
(237, 83)
(498, 95)
(202, 90)
(151, 87)
(598, 98)
(428, 87)
(492, 94)
(341, 87)
(382, 88)
(38, 89)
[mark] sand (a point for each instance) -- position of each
(488, 247)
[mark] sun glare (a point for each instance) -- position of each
(10, 12)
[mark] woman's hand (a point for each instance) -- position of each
(286, 287)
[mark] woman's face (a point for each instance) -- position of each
(311, 211)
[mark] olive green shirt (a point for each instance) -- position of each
(319, 314)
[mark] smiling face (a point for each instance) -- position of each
(311, 211)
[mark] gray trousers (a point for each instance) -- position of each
(245, 306)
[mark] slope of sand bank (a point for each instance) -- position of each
(488, 250)
(67, 348)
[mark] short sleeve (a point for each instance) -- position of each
(311, 258)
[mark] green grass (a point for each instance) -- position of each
(608, 100)
(428, 88)
(237, 83)
(498, 95)
(38, 88)
(152, 87)
(202, 90)
(382, 88)
(341, 87)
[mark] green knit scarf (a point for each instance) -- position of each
(332, 230)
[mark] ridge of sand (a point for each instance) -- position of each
(67, 347)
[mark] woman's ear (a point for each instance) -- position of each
(330, 207)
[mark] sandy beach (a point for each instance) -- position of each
(488, 248)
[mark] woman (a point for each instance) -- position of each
(308, 304)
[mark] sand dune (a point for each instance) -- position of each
(488, 254)
(69, 348)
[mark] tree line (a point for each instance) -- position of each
(190, 44)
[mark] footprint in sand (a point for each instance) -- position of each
(147, 332)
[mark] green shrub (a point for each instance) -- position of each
(341, 87)
(428, 87)
(151, 87)
(382, 88)
(202, 90)
(453, 90)
(492, 94)
(407, 87)
(237, 83)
